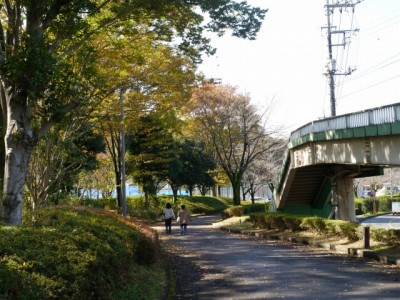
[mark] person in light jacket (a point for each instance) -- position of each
(184, 218)
(169, 215)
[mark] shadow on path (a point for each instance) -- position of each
(210, 264)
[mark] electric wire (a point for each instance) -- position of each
(374, 68)
(386, 23)
(341, 84)
(375, 29)
(371, 86)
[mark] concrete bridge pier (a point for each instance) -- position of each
(344, 194)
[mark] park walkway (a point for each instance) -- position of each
(216, 265)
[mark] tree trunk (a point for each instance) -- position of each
(175, 193)
(146, 199)
(214, 191)
(190, 188)
(119, 188)
(236, 192)
(19, 141)
(252, 194)
(253, 191)
(3, 124)
(16, 165)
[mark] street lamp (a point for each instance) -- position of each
(123, 178)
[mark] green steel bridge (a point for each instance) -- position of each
(323, 157)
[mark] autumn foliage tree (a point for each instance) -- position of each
(153, 84)
(233, 128)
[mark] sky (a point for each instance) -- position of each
(287, 61)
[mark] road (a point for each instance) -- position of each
(388, 221)
(237, 267)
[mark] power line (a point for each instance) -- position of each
(371, 86)
(376, 67)
(382, 26)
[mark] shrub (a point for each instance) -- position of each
(277, 221)
(349, 230)
(292, 222)
(332, 227)
(271, 221)
(253, 208)
(358, 204)
(390, 237)
(385, 204)
(235, 211)
(315, 224)
(67, 254)
(136, 207)
(367, 206)
(106, 203)
(258, 219)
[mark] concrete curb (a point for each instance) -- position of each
(341, 249)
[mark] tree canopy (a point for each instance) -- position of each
(235, 132)
(48, 62)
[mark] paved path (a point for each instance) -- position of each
(387, 221)
(236, 267)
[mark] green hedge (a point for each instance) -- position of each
(390, 237)
(318, 225)
(383, 204)
(77, 254)
(240, 210)
(136, 206)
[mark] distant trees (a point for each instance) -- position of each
(191, 167)
(263, 170)
(198, 166)
(156, 157)
(234, 131)
(100, 180)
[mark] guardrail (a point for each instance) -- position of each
(375, 116)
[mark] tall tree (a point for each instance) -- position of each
(231, 124)
(151, 152)
(46, 62)
(156, 82)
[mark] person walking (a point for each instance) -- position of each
(169, 215)
(184, 218)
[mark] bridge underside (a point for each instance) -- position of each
(311, 187)
(320, 174)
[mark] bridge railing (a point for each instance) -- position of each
(375, 116)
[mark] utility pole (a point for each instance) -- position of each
(331, 30)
